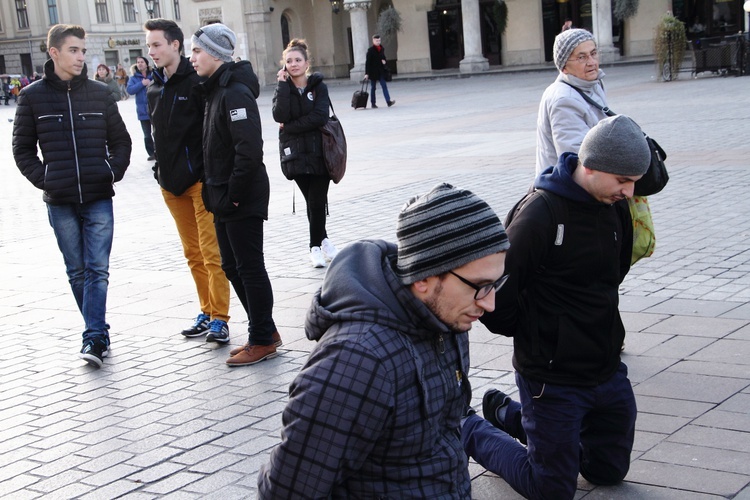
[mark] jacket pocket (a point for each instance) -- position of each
(289, 155)
(216, 199)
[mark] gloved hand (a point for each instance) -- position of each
(155, 168)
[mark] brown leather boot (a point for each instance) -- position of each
(276, 341)
(252, 354)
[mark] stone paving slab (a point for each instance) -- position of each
(165, 418)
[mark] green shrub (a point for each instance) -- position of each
(670, 36)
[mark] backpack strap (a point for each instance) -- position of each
(557, 208)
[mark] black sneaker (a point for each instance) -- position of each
(92, 352)
(391, 103)
(219, 332)
(200, 327)
(105, 352)
(374, 106)
(491, 402)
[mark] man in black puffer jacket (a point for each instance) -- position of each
(85, 150)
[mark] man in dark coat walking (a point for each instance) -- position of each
(375, 70)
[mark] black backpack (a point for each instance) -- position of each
(555, 204)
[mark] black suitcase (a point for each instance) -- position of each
(359, 99)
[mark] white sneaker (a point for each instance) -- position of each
(316, 257)
(329, 249)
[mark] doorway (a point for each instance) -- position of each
(445, 31)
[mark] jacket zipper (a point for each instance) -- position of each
(75, 146)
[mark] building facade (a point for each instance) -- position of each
(435, 35)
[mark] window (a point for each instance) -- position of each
(102, 15)
(284, 30)
(52, 9)
(111, 58)
(22, 14)
(2, 64)
(176, 10)
(128, 10)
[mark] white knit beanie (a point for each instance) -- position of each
(217, 40)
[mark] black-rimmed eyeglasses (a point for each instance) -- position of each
(484, 290)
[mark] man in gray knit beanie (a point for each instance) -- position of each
(217, 40)
(572, 247)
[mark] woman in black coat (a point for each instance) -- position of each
(300, 106)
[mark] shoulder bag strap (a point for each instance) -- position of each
(589, 100)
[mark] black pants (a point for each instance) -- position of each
(241, 247)
(315, 190)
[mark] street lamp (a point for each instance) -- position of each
(150, 8)
(335, 6)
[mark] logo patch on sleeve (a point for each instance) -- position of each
(238, 114)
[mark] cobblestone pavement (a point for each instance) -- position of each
(166, 418)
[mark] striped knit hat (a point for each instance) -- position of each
(566, 42)
(443, 230)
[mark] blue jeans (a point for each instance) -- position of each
(241, 247)
(84, 235)
(384, 86)
(569, 430)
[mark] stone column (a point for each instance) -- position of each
(258, 40)
(473, 60)
(360, 36)
(601, 17)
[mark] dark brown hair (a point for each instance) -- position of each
(59, 32)
(171, 31)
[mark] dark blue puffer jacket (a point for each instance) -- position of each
(85, 145)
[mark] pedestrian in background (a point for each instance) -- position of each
(300, 106)
(103, 75)
(375, 70)
(122, 80)
(176, 111)
(236, 188)
(85, 150)
(137, 86)
(564, 116)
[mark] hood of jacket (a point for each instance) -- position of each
(360, 285)
(184, 70)
(559, 180)
(106, 79)
(237, 72)
(51, 77)
(313, 80)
